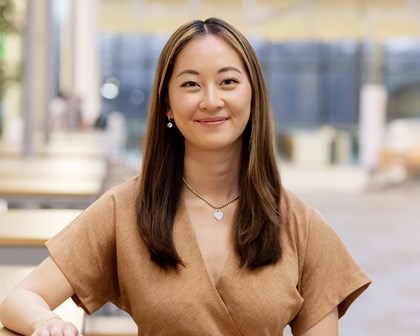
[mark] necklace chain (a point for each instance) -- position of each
(207, 201)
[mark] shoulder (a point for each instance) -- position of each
(303, 224)
(292, 204)
(107, 208)
(298, 213)
(125, 192)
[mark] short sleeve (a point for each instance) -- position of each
(329, 276)
(85, 253)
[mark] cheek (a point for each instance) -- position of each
(243, 102)
(183, 105)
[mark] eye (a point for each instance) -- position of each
(230, 81)
(189, 84)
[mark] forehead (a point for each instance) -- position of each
(206, 50)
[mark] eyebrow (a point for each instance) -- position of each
(194, 72)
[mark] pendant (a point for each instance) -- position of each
(218, 214)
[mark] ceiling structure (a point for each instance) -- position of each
(271, 19)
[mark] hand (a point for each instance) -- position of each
(56, 327)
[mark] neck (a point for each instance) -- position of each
(215, 175)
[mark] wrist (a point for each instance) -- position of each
(42, 321)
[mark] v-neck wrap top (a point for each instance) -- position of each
(104, 258)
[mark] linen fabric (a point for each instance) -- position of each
(104, 258)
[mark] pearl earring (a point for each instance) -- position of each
(169, 124)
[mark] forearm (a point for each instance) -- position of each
(23, 310)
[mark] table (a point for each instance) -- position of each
(38, 191)
(62, 144)
(50, 180)
(23, 233)
(54, 167)
(11, 275)
(33, 227)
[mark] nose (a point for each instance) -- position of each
(211, 100)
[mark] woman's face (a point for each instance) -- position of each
(209, 94)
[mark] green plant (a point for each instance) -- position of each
(7, 26)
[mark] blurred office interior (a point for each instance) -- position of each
(344, 80)
(343, 75)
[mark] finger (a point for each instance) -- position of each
(71, 330)
(42, 333)
(55, 331)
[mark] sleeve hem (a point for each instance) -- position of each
(341, 303)
(78, 298)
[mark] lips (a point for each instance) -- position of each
(212, 122)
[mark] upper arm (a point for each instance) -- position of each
(328, 326)
(329, 278)
(49, 282)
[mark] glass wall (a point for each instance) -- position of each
(311, 83)
(402, 77)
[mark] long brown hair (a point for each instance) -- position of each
(257, 219)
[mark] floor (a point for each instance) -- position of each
(381, 228)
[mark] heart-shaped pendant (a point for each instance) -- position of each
(218, 214)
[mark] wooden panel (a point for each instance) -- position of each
(30, 186)
(62, 144)
(33, 227)
(110, 326)
(53, 167)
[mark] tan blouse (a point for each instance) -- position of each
(104, 258)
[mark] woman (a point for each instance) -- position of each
(206, 241)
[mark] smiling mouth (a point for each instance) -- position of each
(212, 122)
